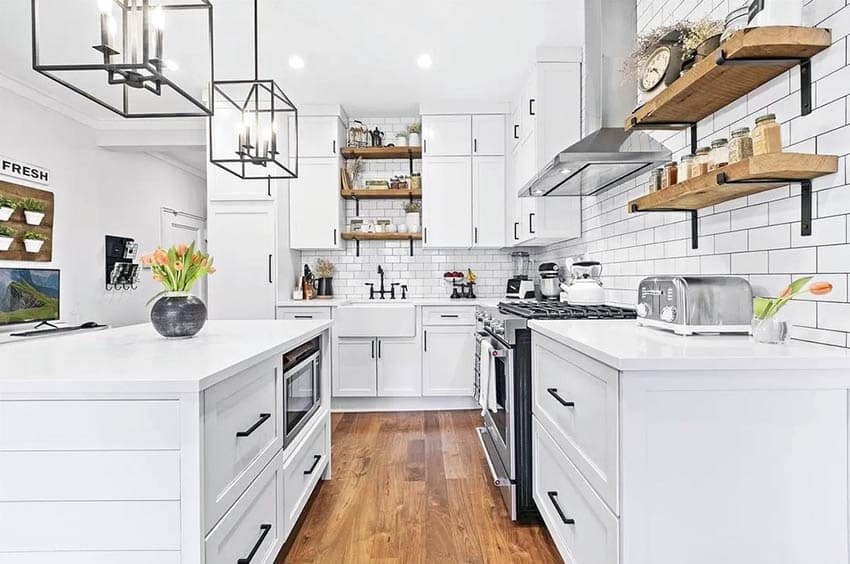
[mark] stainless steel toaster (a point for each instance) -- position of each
(696, 304)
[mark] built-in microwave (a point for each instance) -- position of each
(302, 393)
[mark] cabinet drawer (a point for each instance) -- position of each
(254, 525)
(583, 528)
(242, 431)
(302, 470)
(448, 315)
(576, 400)
(305, 313)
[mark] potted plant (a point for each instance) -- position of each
(7, 235)
(401, 139)
(415, 131)
(34, 241)
(411, 218)
(324, 270)
(765, 327)
(33, 211)
(176, 313)
(701, 39)
(7, 207)
(354, 168)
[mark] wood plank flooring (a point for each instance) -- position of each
(411, 488)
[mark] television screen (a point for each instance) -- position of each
(28, 294)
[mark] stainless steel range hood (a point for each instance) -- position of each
(607, 155)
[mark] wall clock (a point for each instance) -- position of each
(659, 71)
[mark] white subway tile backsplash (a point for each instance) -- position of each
(825, 231)
(793, 260)
(750, 263)
(774, 237)
(822, 119)
(730, 242)
(834, 316)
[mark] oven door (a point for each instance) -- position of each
(302, 395)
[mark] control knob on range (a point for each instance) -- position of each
(498, 327)
(668, 314)
(643, 309)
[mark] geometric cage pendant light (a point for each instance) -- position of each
(137, 58)
(254, 131)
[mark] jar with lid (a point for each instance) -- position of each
(655, 178)
(416, 181)
(719, 155)
(671, 175)
(685, 165)
(767, 135)
(741, 145)
(701, 161)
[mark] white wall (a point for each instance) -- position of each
(97, 193)
(757, 237)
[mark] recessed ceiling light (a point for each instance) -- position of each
(565, 171)
(538, 192)
(296, 62)
(424, 61)
(171, 65)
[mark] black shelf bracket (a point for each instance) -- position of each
(356, 205)
(694, 220)
(805, 73)
(411, 246)
(669, 125)
(357, 246)
(805, 195)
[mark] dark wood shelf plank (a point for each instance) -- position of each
(358, 236)
(382, 152)
(389, 194)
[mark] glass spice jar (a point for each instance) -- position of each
(655, 178)
(671, 175)
(719, 155)
(685, 167)
(767, 135)
(741, 145)
(701, 161)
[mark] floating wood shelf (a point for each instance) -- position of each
(361, 236)
(748, 59)
(390, 194)
(382, 152)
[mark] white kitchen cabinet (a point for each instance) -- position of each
(547, 220)
(447, 357)
(223, 186)
(447, 135)
(447, 202)
(399, 368)
(320, 136)
(357, 373)
(488, 202)
(315, 207)
(488, 135)
(242, 238)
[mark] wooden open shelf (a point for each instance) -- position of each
(358, 236)
(748, 59)
(389, 194)
(382, 152)
(750, 176)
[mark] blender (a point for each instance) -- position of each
(519, 285)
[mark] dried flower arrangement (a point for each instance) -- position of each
(324, 268)
(647, 43)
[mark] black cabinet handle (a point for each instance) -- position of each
(531, 222)
(425, 341)
(531, 107)
(263, 418)
(516, 226)
(449, 315)
(476, 235)
(426, 235)
(475, 145)
(334, 236)
(269, 187)
(552, 498)
(265, 531)
(303, 317)
(270, 270)
(516, 131)
(373, 349)
(379, 349)
(316, 459)
(334, 149)
(554, 393)
(424, 145)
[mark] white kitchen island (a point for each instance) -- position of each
(120, 446)
(651, 448)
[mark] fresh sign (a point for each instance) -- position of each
(24, 171)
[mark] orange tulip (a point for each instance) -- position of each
(786, 292)
(203, 262)
(196, 259)
(146, 260)
(157, 277)
(212, 269)
(178, 265)
(820, 288)
(181, 250)
(160, 257)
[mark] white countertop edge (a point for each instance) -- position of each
(336, 302)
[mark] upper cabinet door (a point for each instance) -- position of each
(223, 185)
(318, 136)
(488, 135)
(314, 205)
(488, 202)
(447, 202)
(447, 135)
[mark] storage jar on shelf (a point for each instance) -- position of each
(767, 135)
(671, 175)
(719, 155)
(741, 145)
(685, 169)
(701, 161)
(655, 179)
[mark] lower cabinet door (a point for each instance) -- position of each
(356, 375)
(583, 528)
(399, 368)
(302, 469)
(447, 360)
(253, 528)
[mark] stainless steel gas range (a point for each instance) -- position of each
(506, 435)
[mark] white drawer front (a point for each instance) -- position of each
(303, 313)
(448, 315)
(576, 399)
(583, 528)
(254, 523)
(302, 470)
(242, 431)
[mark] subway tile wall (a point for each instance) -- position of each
(422, 272)
(757, 237)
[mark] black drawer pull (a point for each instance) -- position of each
(316, 459)
(554, 393)
(552, 496)
(265, 531)
(303, 317)
(452, 316)
(263, 418)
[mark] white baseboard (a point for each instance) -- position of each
(448, 403)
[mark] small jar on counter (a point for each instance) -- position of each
(671, 175)
(767, 135)
(719, 155)
(685, 167)
(741, 145)
(701, 161)
(655, 179)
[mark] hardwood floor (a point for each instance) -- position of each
(411, 487)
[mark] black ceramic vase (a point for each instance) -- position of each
(178, 315)
(325, 289)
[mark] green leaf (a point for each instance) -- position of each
(761, 307)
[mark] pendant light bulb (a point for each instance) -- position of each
(158, 18)
(104, 6)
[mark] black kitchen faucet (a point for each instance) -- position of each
(383, 291)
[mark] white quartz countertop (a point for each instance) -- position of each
(436, 301)
(623, 345)
(137, 359)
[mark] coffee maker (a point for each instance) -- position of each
(550, 281)
(519, 286)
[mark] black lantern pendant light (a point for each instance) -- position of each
(254, 133)
(137, 58)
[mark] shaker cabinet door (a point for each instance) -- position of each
(356, 375)
(314, 205)
(448, 353)
(488, 200)
(488, 135)
(447, 202)
(447, 135)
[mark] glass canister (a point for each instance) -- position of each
(701, 161)
(671, 175)
(741, 145)
(719, 155)
(416, 181)
(685, 165)
(655, 179)
(767, 135)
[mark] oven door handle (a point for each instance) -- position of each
(497, 479)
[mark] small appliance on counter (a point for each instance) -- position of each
(550, 280)
(519, 286)
(687, 305)
(585, 285)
